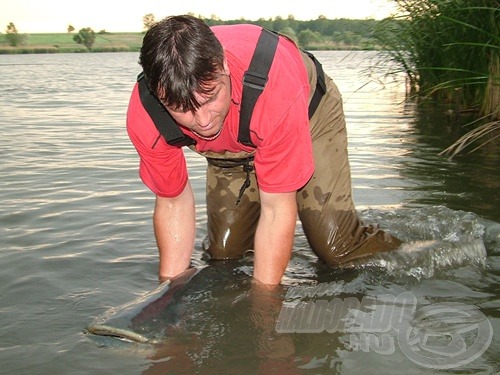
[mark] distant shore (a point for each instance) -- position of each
(64, 43)
(110, 42)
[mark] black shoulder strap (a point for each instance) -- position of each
(320, 85)
(164, 122)
(254, 81)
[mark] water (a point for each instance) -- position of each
(77, 239)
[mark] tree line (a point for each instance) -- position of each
(321, 33)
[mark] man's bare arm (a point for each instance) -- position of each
(274, 236)
(174, 226)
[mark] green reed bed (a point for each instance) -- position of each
(449, 50)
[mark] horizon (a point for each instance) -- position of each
(113, 16)
(142, 31)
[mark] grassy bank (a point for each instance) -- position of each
(63, 42)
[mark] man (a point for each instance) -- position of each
(254, 190)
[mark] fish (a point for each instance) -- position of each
(179, 306)
(219, 297)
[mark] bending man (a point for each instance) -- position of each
(288, 163)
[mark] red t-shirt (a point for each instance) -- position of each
(279, 127)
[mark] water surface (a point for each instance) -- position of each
(77, 237)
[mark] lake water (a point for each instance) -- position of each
(77, 239)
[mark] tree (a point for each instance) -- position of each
(70, 28)
(289, 32)
(306, 37)
(85, 36)
(11, 28)
(12, 35)
(280, 23)
(148, 20)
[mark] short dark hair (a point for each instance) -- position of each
(180, 56)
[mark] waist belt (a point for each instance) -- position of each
(229, 163)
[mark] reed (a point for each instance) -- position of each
(490, 131)
(449, 50)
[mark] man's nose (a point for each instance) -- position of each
(202, 116)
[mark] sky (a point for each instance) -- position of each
(54, 16)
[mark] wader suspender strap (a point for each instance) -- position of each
(254, 81)
(320, 86)
(164, 122)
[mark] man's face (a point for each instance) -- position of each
(207, 120)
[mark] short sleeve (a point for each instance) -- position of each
(162, 167)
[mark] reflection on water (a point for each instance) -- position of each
(77, 237)
(468, 182)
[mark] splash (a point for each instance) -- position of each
(436, 239)
(423, 259)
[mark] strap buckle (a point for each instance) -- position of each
(255, 80)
